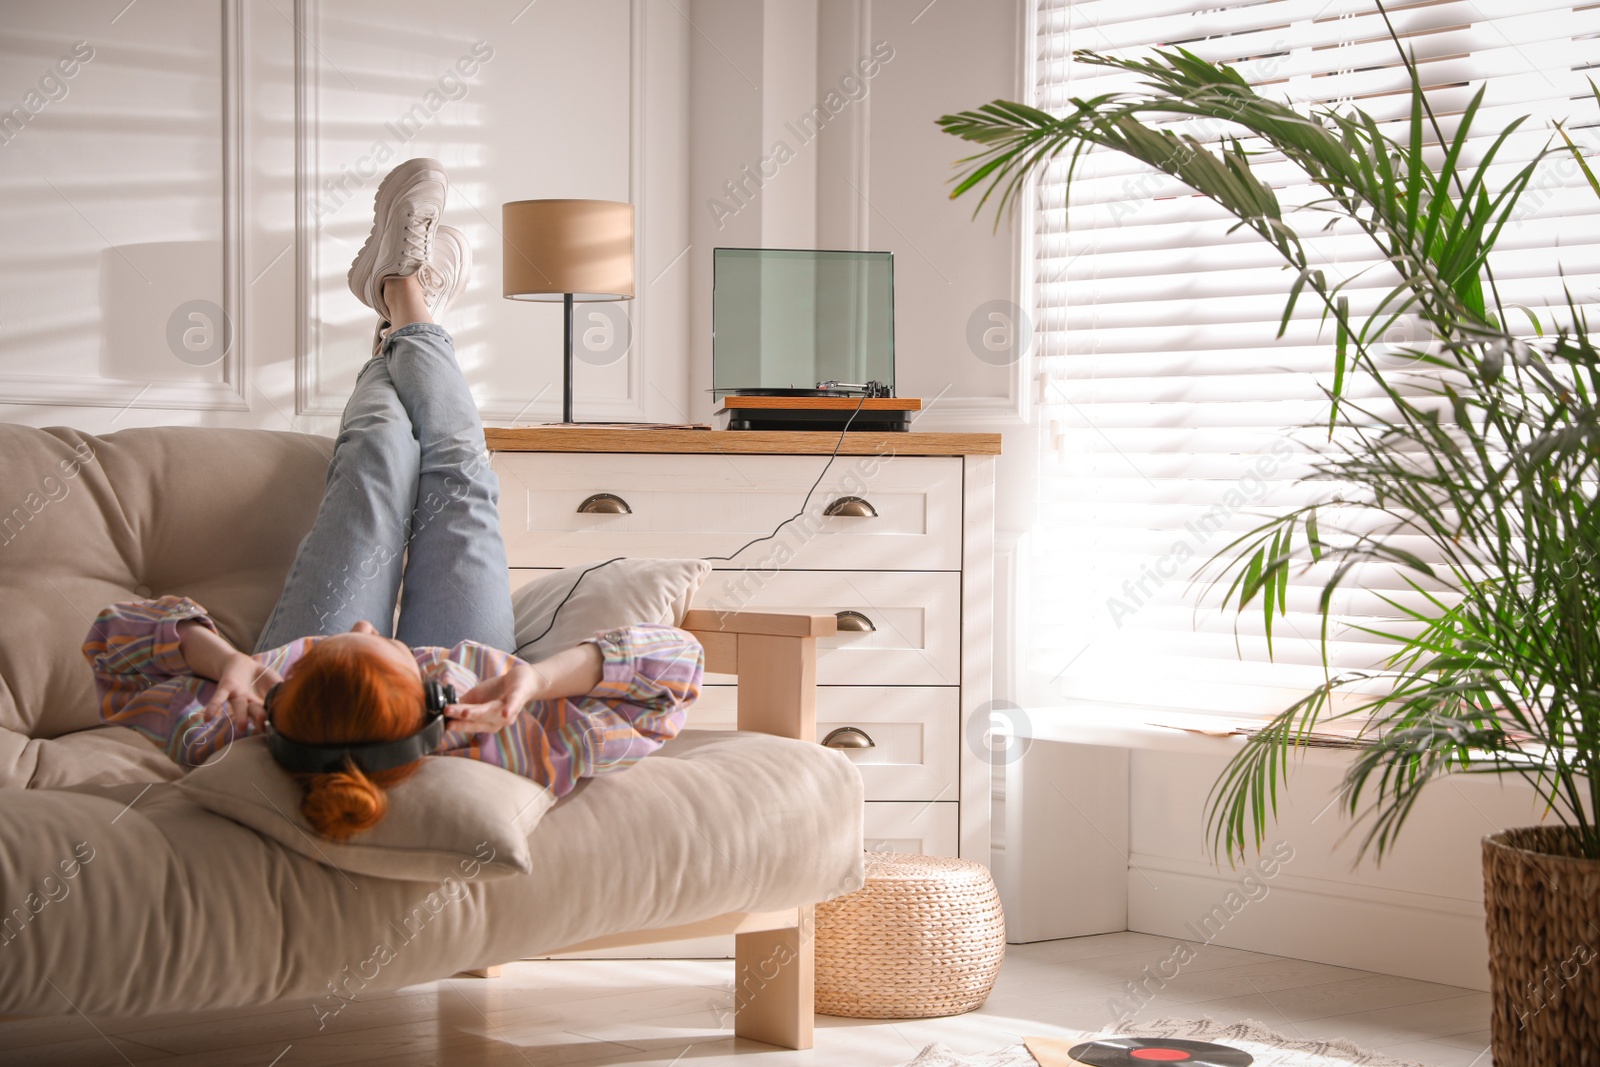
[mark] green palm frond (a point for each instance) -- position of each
(1472, 475)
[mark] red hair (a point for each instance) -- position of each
(335, 693)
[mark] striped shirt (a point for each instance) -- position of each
(649, 676)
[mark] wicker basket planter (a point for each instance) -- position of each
(924, 937)
(1543, 904)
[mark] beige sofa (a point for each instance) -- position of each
(182, 909)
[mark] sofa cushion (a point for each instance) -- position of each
(89, 757)
(452, 814)
(182, 910)
(86, 521)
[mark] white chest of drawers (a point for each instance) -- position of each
(897, 540)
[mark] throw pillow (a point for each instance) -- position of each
(623, 593)
(455, 817)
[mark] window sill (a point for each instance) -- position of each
(1152, 730)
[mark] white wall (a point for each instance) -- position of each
(228, 153)
(1419, 913)
(871, 176)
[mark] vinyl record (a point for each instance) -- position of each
(782, 392)
(1148, 1051)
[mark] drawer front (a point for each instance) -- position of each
(916, 638)
(915, 618)
(925, 829)
(692, 506)
(914, 729)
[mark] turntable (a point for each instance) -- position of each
(803, 339)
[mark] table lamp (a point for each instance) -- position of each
(567, 250)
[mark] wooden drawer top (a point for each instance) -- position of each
(749, 442)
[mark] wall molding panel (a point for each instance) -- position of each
(66, 390)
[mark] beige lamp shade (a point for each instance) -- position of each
(554, 247)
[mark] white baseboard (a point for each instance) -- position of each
(1411, 934)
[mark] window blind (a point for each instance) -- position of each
(1170, 412)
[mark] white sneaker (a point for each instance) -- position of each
(443, 278)
(406, 212)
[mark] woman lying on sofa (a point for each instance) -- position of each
(409, 516)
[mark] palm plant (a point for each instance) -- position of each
(1472, 470)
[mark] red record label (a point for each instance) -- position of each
(1144, 1051)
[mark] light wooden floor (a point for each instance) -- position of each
(664, 1012)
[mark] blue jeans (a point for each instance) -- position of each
(410, 512)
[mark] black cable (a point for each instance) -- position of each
(839, 444)
(804, 503)
(553, 614)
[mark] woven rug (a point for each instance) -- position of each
(1269, 1048)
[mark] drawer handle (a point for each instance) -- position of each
(849, 737)
(604, 504)
(854, 622)
(851, 506)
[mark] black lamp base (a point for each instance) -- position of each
(566, 359)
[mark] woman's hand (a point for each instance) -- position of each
(493, 704)
(242, 686)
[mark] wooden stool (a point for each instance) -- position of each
(924, 937)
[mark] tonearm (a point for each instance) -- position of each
(871, 389)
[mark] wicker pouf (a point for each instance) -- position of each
(925, 936)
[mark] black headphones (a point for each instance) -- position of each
(305, 758)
